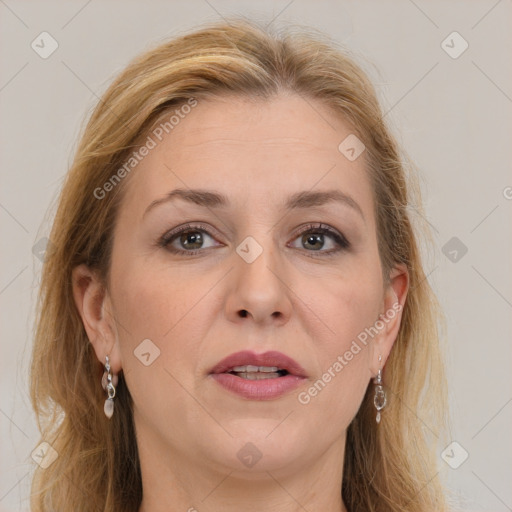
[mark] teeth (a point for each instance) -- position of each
(258, 375)
(251, 368)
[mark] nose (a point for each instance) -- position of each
(259, 288)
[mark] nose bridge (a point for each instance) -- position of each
(258, 259)
(260, 288)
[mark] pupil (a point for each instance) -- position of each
(312, 239)
(189, 239)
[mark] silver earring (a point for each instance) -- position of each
(379, 400)
(107, 383)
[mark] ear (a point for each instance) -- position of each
(390, 318)
(93, 303)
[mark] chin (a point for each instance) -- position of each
(262, 447)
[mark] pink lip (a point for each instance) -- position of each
(266, 389)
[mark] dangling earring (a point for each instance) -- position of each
(107, 383)
(379, 400)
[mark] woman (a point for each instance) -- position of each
(234, 315)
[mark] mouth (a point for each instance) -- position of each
(254, 376)
(251, 366)
(251, 372)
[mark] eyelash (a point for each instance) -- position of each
(340, 240)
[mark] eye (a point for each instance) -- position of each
(313, 238)
(186, 239)
(190, 239)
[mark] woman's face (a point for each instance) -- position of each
(266, 262)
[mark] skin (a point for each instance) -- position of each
(298, 299)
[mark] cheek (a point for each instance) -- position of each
(348, 306)
(151, 306)
(335, 393)
(172, 316)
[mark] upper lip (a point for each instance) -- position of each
(272, 358)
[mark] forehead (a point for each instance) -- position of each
(250, 149)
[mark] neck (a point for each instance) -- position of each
(175, 481)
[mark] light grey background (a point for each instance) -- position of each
(453, 117)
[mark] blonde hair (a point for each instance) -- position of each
(390, 467)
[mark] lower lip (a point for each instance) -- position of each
(263, 389)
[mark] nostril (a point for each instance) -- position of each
(243, 313)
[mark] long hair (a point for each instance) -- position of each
(390, 467)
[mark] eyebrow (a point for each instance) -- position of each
(299, 200)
